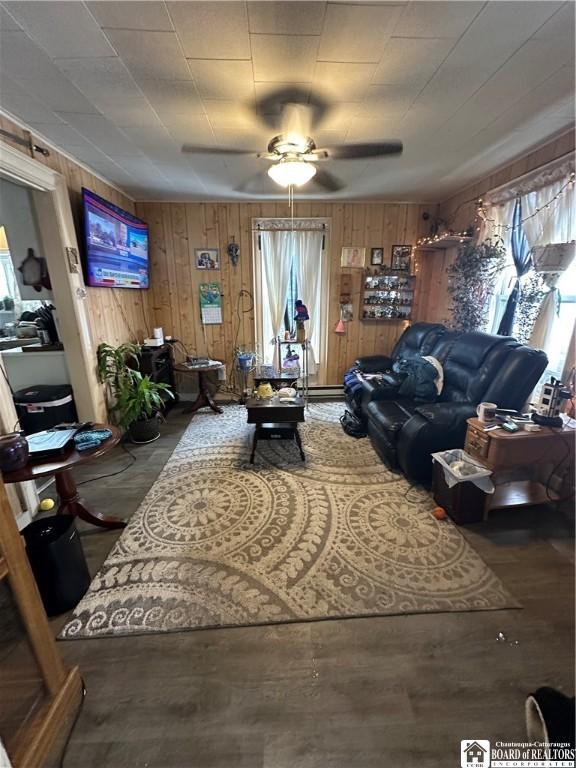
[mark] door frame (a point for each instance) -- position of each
(56, 228)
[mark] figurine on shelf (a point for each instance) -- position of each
(301, 311)
(300, 317)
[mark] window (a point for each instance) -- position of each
(289, 265)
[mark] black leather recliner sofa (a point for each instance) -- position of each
(477, 367)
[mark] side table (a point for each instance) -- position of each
(204, 397)
(536, 454)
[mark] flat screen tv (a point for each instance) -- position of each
(116, 245)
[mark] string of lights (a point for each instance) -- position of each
(482, 210)
(483, 213)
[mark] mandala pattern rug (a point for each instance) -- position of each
(218, 541)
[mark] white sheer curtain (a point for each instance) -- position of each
(309, 271)
(277, 260)
(502, 215)
(553, 224)
(271, 279)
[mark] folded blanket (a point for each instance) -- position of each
(91, 438)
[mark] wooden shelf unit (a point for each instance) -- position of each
(30, 745)
(387, 294)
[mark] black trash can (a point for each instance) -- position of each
(42, 406)
(58, 563)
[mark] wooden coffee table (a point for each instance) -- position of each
(275, 420)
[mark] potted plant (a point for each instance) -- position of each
(471, 280)
(135, 401)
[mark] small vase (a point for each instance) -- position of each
(13, 452)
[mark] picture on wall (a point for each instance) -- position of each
(353, 257)
(401, 256)
(377, 256)
(207, 258)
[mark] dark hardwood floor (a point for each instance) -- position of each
(398, 692)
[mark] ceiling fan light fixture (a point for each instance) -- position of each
(289, 172)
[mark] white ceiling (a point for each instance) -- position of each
(122, 85)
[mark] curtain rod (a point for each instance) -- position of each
(289, 229)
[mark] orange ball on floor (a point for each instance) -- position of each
(439, 513)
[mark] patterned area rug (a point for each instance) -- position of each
(220, 542)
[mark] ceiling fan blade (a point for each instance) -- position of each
(192, 149)
(327, 181)
(356, 151)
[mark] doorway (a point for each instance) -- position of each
(290, 264)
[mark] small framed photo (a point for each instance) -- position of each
(401, 257)
(207, 258)
(377, 256)
(353, 257)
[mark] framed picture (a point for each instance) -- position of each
(377, 256)
(353, 257)
(207, 258)
(401, 256)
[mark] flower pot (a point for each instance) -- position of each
(145, 431)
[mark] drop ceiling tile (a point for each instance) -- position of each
(61, 28)
(62, 134)
(172, 96)
(284, 58)
(223, 79)
(496, 33)
(286, 18)
(147, 136)
(22, 104)
(357, 33)
(438, 19)
(410, 60)
(151, 16)
(338, 116)
(230, 110)
(21, 58)
(101, 132)
(382, 101)
(103, 77)
(132, 112)
(560, 26)
(56, 91)
(189, 129)
(209, 30)
(7, 22)
(266, 94)
(343, 81)
(154, 55)
(369, 129)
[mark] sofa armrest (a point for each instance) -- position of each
(447, 415)
(434, 427)
(374, 363)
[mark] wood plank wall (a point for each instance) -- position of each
(115, 315)
(178, 228)
(460, 212)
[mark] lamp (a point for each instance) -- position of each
(291, 172)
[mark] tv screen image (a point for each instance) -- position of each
(116, 245)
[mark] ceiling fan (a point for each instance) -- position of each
(294, 154)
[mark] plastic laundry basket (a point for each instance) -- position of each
(58, 563)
